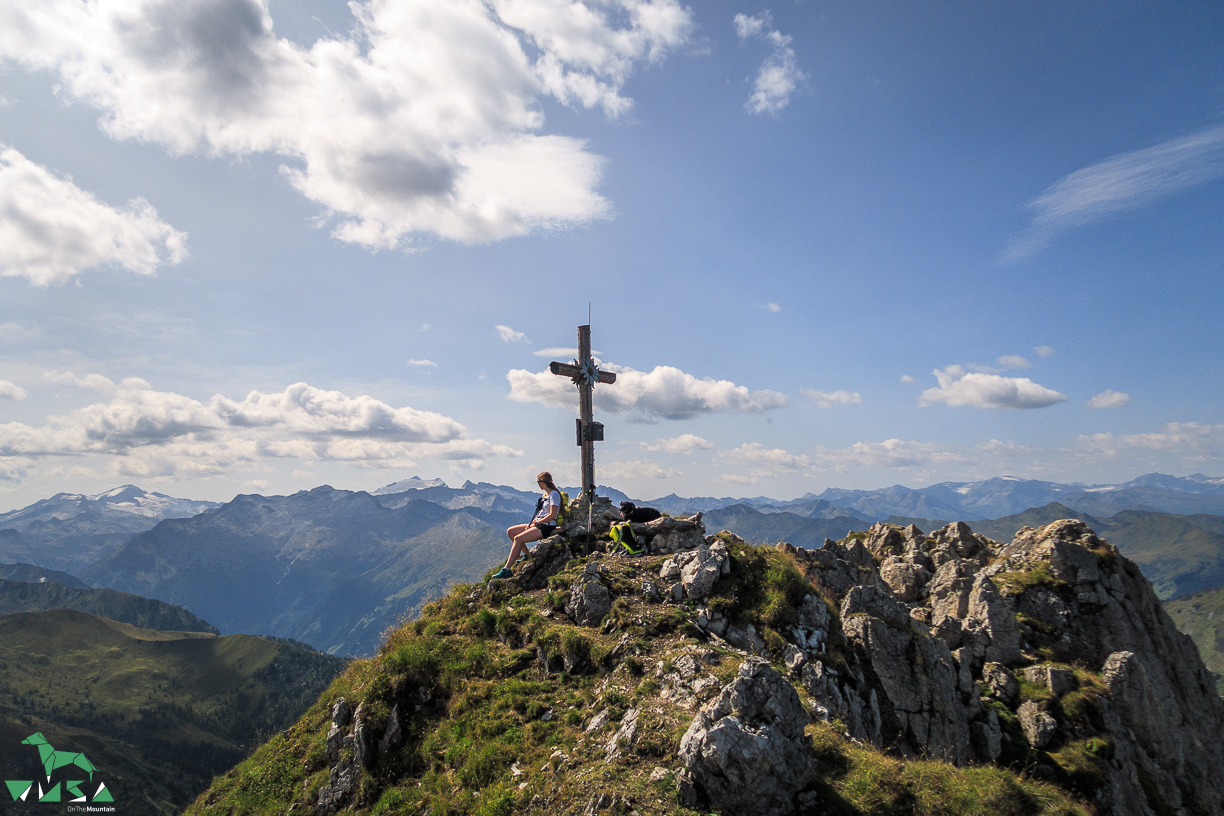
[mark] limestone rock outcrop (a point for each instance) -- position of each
(590, 599)
(746, 749)
(934, 622)
(697, 570)
(349, 750)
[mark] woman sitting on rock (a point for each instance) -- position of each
(541, 526)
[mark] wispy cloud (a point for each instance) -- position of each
(1109, 399)
(779, 75)
(828, 400)
(1013, 361)
(956, 387)
(509, 335)
(1043, 351)
(682, 445)
(1176, 446)
(636, 469)
(771, 306)
(1120, 183)
(905, 378)
(557, 351)
(11, 391)
(423, 363)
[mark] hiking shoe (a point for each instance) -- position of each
(502, 574)
(527, 553)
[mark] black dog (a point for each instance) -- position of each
(631, 512)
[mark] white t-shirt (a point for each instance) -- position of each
(553, 500)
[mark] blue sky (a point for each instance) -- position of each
(260, 248)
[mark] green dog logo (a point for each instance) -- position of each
(51, 760)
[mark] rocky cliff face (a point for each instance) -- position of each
(893, 673)
(1052, 647)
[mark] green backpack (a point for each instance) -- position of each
(623, 535)
(563, 509)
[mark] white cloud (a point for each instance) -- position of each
(94, 382)
(1176, 447)
(1043, 351)
(828, 400)
(158, 433)
(773, 307)
(1190, 441)
(779, 75)
(746, 26)
(423, 363)
(905, 378)
(1120, 183)
(583, 56)
(636, 469)
(424, 119)
(1109, 399)
(956, 387)
(257, 484)
(1013, 361)
(564, 353)
(683, 445)
(11, 391)
(664, 393)
(772, 459)
(51, 230)
(509, 335)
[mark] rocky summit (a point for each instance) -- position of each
(891, 672)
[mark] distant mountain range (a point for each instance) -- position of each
(334, 568)
(69, 531)
(991, 498)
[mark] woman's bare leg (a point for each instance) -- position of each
(512, 532)
(520, 543)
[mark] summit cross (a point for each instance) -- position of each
(585, 374)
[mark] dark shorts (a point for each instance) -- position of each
(546, 529)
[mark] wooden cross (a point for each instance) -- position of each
(585, 374)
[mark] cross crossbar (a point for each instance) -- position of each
(573, 371)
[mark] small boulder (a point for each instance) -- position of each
(393, 736)
(625, 738)
(793, 659)
(813, 614)
(1039, 727)
(589, 599)
(744, 636)
(1058, 681)
(905, 579)
(1001, 682)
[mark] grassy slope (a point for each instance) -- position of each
(478, 655)
(1201, 616)
(20, 596)
(169, 709)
